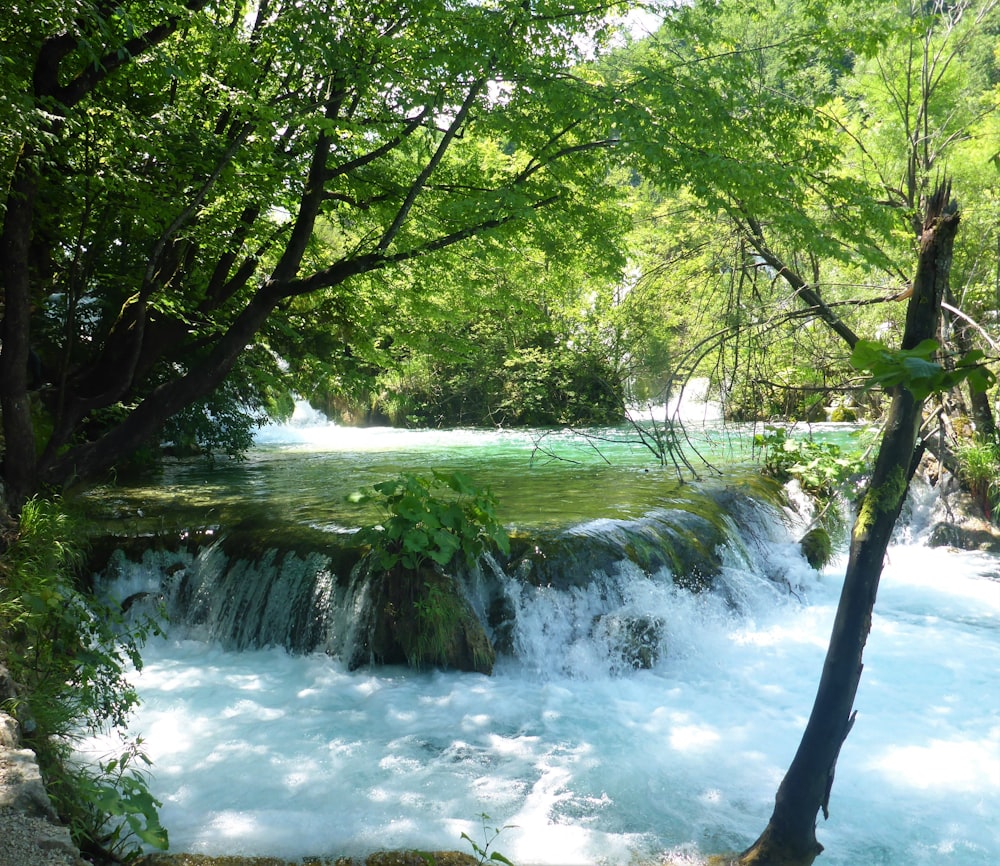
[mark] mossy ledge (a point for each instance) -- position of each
(379, 858)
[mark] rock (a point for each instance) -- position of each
(22, 787)
(635, 640)
(502, 618)
(972, 535)
(30, 831)
(8, 691)
(817, 547)
(422, 619)
(9, 735)
(958, 521)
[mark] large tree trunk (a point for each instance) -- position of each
(790, 836)
(19, 469)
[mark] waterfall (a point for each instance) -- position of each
(598, 590)
(630, 718)
(659, 647)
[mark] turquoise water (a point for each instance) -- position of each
(303, 473)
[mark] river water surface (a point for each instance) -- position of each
(581, 761)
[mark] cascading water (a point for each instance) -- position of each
(629, 715)
(243, 595)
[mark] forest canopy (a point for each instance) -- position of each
(488, 214)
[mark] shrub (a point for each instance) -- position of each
(979, 471)
(68, 655)
(425, 524)
(822, 468)
(418, 612)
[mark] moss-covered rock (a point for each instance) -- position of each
(421, 618)
(841, 413)
(971, 535)
(817, 547)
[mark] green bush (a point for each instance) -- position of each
(843, 414)
(822, 468)
(979, 471)
(431, 519)
(419, 611)
(68, 655)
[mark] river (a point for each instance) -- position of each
(577, 757)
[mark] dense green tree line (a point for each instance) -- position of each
(507, 213)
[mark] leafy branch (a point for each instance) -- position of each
(915, 370)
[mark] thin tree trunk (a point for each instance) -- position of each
(980, 409)
(790, 836)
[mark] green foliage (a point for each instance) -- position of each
(841, 414)
(822, 468)
(113, 804)
(979, 470)
(441, 623)
(490, 835)
(431, 519)
(223, 423)
(828, 190)
(435, 612)
(69, 655)
(915, 371)
(309, 181)
(481, 851)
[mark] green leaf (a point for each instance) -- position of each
(415, 540)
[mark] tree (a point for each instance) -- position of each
(812, 198)
(790, 836)
(819, 206)
(175, 165)
(458, 337)
(783, 215)
(928, 100)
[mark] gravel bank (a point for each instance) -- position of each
(30, 831)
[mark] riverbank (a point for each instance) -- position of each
(381, 858)
(31, 831)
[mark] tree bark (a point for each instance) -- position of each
(790, 836)
(15, 339)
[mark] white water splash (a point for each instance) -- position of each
(263, 753)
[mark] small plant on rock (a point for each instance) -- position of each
(490, 835)
(432, 519)
(418, 612)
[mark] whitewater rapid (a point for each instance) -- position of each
(269, 754)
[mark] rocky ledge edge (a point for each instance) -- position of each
(381, 858)
(30, 829)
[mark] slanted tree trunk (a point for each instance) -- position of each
(790, 836)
